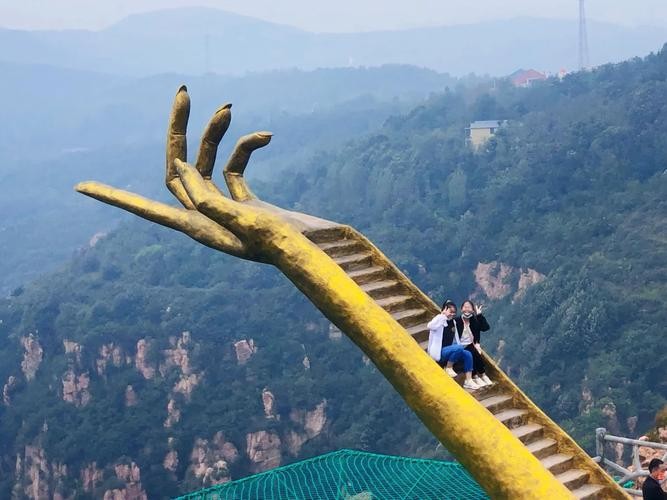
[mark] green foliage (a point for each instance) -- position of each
(573, 187)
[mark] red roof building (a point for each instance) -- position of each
(525, 77)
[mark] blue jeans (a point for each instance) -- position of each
(454, 353)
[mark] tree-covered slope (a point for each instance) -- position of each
(557, 225)
(134, 385)
(571, 191)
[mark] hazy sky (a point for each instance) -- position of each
(332, 15)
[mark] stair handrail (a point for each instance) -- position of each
(601, 438)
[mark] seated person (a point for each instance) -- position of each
(469, 326)
(444, 345)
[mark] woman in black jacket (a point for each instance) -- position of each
(469, 326)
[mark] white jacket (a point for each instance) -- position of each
(436, 327)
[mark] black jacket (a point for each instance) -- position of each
(478, 324)
(652, 490)
(448, 333)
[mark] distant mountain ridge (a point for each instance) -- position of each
(81, 102)
(62, 125)
(200, 40)
(197, 20)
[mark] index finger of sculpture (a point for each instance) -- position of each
(208, 201)
(215, 131)
(138, 205)
(190, 222)
(238, 162)
(177, 147)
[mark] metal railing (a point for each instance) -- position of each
(601, 438)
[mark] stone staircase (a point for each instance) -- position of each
(383, 282)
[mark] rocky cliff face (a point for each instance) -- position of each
(130, 396)
(244, 349)
(177, 358)
(37, 477)
(496, 280)
(141, 360)
(32, 356)
(8, 388)
(310, 424)
(130, 474)
(269, 402)
(263, 450)
(210, 461)
(109, 354)
(110, 391)
(91, 477)
(76, 388)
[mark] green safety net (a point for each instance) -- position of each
(352, 475)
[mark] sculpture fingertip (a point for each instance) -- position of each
(262, 139)
(182, 167)
(83, 187)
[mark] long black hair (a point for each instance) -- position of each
(468, 301)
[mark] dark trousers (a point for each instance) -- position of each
(477, 360)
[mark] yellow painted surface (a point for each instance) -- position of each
(566, 444)
(478, 136)
(248, 228)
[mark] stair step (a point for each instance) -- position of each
(497, 402)
(484, 392)
(394, 303)
(528, 432)
(587, 491)
(419, 333)
(320, 236)
(381, 289)
(409, 317)
(542, 447)
(354, 261)
(366, 275)
(513, 417)
(557, 463)
(573, 478)
(340, 247)
(414, 330)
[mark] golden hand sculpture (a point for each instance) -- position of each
(217, 223)
(246, 227)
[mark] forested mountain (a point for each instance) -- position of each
(154, 364)
(199, 40)
(64, 125)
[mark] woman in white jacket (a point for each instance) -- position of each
(444, 344)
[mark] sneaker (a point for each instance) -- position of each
(471, 384)
(480, 381)
(486, 379)
(450, 372)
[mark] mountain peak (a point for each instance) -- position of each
(192, 20)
